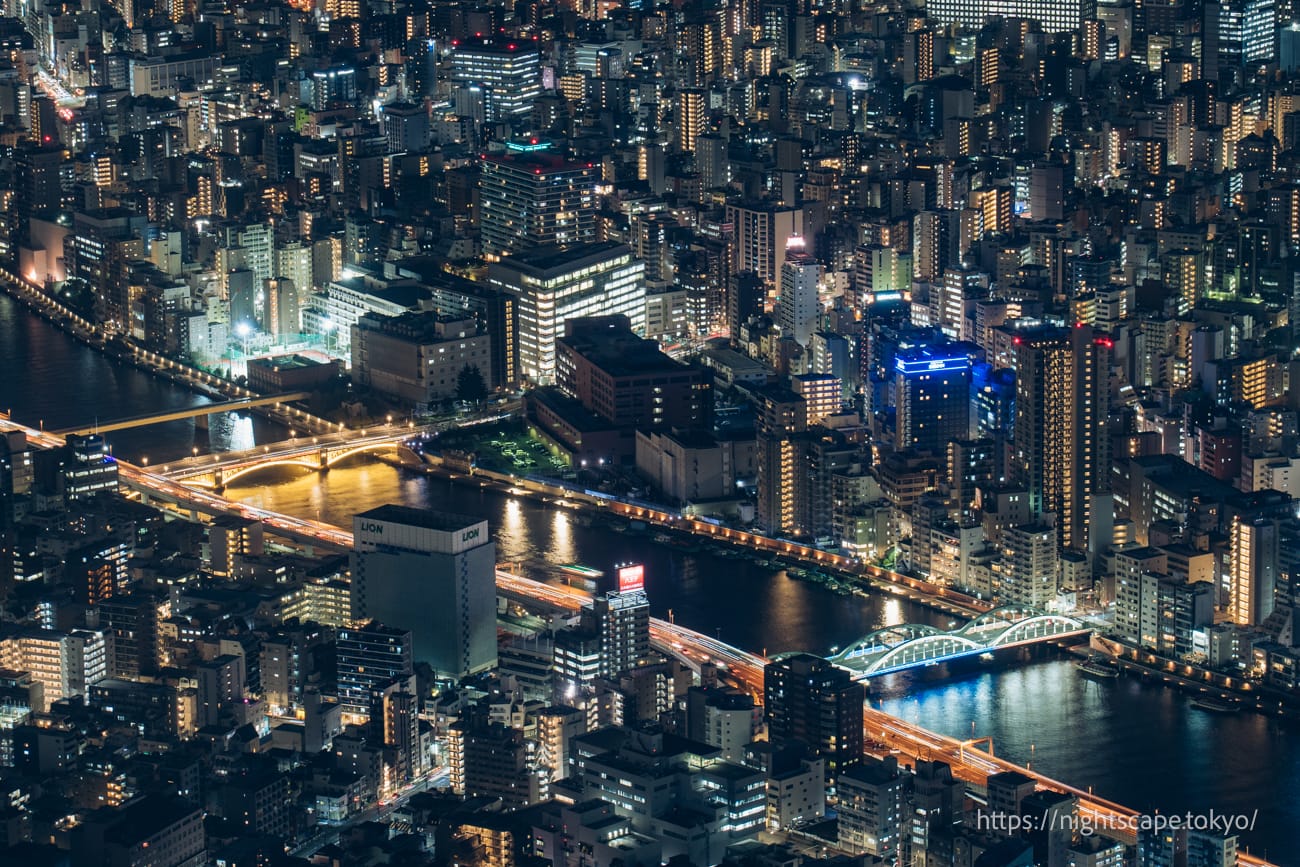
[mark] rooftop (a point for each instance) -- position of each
(427, 519)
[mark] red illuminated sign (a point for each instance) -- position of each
(631, 578)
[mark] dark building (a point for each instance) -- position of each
(369, 657)
(132, 618)
(627, 380)
(932, 398)
(808, 699)
(151, 831)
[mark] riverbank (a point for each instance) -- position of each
(1199, 681)
(121, 350)
(779, 553)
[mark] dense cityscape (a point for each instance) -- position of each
(760, 433)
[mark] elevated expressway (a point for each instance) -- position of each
(888, 734)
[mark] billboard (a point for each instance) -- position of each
(631, 577)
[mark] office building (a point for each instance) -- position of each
(1062, 431)
(627, 380)
(1247, 32)
(418, 358)
(808, 699)
(506, 75)
(932, 398)
(434, 574)
(531, 200)
(553, 286)
(369, 657)
(1054, 17)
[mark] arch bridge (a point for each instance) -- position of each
(895, 648)
(317, 459)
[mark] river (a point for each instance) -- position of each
(1133, 742)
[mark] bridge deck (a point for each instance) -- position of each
(191, 412)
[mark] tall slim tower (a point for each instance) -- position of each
(796, 308)
(1062, 441)
(1252, 568)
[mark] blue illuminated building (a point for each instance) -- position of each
(932, 397)
(993, 402)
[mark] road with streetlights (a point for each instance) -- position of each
(884, 734)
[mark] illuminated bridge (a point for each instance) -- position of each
(911, 645)
(315, 454)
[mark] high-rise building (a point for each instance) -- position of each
(1252, 568)
(434, 574)
(1030, 565)
(797, 305)
(782, 414)
(333, 86)
(1062, 432)
(553, 286)
(822, 395)
(689, 105)
(370, 657)
(808, 699)
(932, 389)
(1185, 848)
(935, 235)
(1247, 31)
(507, 71)
(535, 200)
(98, 251)
(760, 238)
(622, 620)
(132, 619)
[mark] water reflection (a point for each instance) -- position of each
(561, 550)
(1136, 743)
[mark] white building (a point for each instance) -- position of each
(555, 285)
(797, 306)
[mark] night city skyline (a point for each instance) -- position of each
(708, 433)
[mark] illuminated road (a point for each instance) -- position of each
(889, 733)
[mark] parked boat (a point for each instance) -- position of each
(1217, 705)
(1095, 667)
